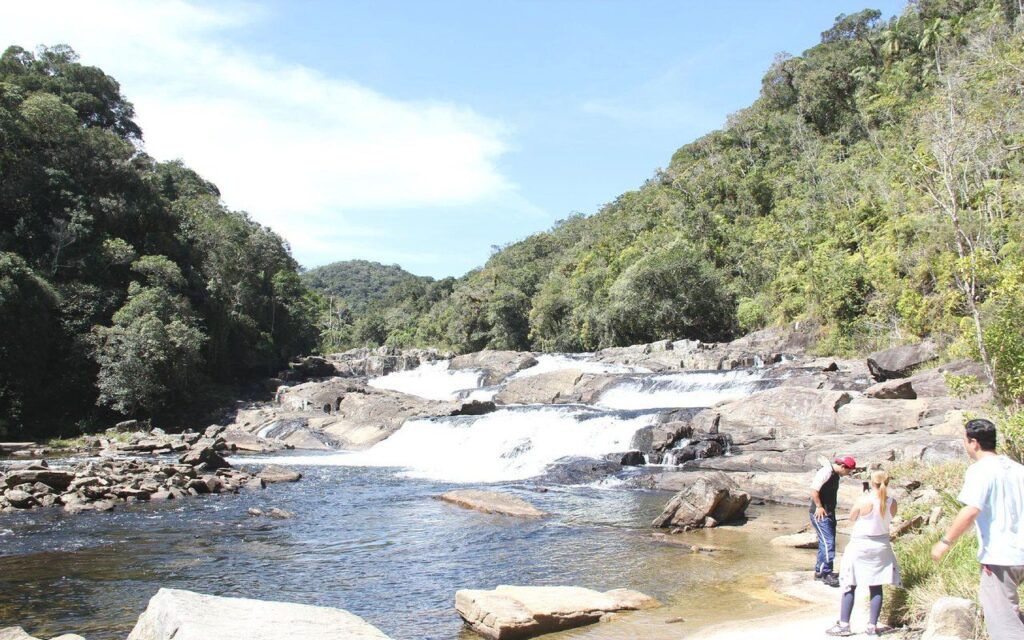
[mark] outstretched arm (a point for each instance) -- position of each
(961, 523)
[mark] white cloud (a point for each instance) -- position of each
(295, 148)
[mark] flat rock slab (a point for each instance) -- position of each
(184, 615)
(805, 540)
(493, 502)
(512, 613)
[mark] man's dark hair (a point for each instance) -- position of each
(983, 431)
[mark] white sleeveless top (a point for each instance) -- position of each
(873, 524)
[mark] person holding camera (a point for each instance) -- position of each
(868, 559)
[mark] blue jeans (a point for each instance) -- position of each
(826, 530)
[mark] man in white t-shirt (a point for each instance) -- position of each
(993, 499)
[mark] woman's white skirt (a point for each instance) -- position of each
(869, 561)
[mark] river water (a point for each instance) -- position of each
(369, 535)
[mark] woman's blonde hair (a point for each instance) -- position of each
(880, 481)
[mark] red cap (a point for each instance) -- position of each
(847, 462)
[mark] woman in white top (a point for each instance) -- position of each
(868, 560)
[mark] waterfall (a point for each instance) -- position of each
(509, 444)
(582, 362)
(683, 390)
(431, 380)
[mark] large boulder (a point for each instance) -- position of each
(544, 388)
(53, 478)
(899, 362)
(492, 502)
(776, 412)
(895, 389)
(512, 613)
(496, 365)
(184, 615)
(204, 454)
(951, 619)
(710, 499)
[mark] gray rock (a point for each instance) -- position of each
(204, 454)
(273, 473)
(896, 389)
(711, 498)
(496, 365)
(50, 477)
(184, 615)
(510, 612)
(20, 499)
(544, 388)
(899, 362)
(951, 619)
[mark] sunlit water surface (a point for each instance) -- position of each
(380, 546)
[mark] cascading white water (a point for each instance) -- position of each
(682, 390)
(431, 380)
(509, 444)
(549, 362)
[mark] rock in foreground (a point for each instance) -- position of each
(493, 502)
(512, 613)
(184, 615)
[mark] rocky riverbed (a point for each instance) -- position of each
(182, 465)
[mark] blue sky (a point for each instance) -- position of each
(424, 133)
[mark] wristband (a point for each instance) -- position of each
(946, 542)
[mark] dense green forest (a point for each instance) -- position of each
(357, 284)
(126, 287)
(876, 185)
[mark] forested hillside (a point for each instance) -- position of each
(126, 287)
(876, 185)
(357, 284)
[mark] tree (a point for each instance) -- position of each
(149, 357)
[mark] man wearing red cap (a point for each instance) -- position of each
(824, 495)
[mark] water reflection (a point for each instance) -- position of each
(376, 545)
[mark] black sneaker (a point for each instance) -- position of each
(818, 575)
(831, 580)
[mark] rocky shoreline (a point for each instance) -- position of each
(110, 479)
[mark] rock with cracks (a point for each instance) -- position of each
(184, 615)
(709, 500)
(512, 613)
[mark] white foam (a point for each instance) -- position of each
(548, 362)
(431, 380)
(681, 390)
(509, 444)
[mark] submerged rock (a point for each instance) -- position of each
(510, 612)
(493, 502)
(184, 615)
